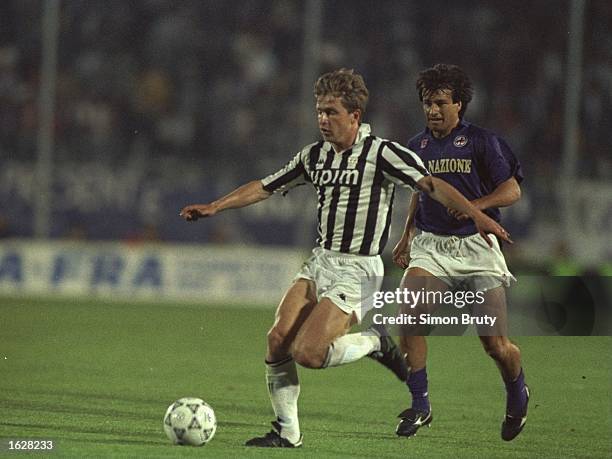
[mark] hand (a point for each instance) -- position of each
(460, 215)
(193, 212)
(401, 252)
(486, 225)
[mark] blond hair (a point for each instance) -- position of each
(346, 85)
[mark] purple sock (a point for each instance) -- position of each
(417, 383)
(516, 396)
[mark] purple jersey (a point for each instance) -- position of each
(473, 160)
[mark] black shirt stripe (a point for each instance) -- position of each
(333, 204)
(407, 158)
(321, 190)
(389, 169)
(314, 154)
(385, 235)
(286, 178)
(353, 201)
(370, 226)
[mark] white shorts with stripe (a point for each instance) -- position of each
(455, 259)
(345, 279)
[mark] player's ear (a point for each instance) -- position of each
(357, 115)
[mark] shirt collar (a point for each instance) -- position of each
(461, 125)
(362, 133)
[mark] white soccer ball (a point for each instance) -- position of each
(190, 421)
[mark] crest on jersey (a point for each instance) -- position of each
(460, 141)
(424, 142)
(352, 162)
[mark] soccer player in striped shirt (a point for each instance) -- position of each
(448, 249)
(354, 174)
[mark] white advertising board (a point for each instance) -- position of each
(194, 273)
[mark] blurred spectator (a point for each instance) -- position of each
(172, 72)
(5, 228)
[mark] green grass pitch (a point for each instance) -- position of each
(96, 379)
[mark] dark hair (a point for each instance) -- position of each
(446, 76)
(345, 84)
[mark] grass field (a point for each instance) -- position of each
(96, 379)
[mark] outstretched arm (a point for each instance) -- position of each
(242, 196)
(506, 194)
(449, 197)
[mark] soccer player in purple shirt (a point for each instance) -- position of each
(483, 168)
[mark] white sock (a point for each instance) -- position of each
(284, 390)
(349, 348)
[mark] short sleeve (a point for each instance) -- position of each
(290, 176)
(498, 160)
(515, 164)
(401, 165)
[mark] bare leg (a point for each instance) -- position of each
(324, 324)
(302, 332)
(414, 346)
(506, 354)
(281, 372)
(507, 357)
(292, 312)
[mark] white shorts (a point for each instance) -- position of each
(347, 280)
(454, 259)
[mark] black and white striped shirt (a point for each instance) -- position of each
(355, 189)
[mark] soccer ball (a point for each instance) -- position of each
(190, 421)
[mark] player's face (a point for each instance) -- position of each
(441, 113)
(336, 124)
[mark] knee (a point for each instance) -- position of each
(497, 349)
(495, 352)
(309, 356)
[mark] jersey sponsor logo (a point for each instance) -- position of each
(326, 177)
(424, 142)
(445, 165)
(460, 141)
